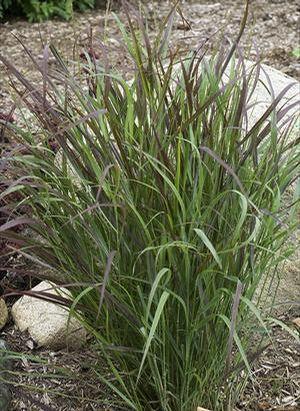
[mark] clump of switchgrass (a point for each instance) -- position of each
(163, 208)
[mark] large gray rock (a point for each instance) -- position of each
(48, 324)
(270, 84)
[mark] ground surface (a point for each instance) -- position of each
(274, 32)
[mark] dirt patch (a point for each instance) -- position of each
(44, 380)
(276, 384)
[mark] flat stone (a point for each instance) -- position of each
(47, 323)
(3, 313)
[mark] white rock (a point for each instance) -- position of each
(47, 323)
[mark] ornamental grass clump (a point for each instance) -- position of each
(161, 207)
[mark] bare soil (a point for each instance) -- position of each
(273, 32)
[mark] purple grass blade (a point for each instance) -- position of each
(224, 165)
(105, 279)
